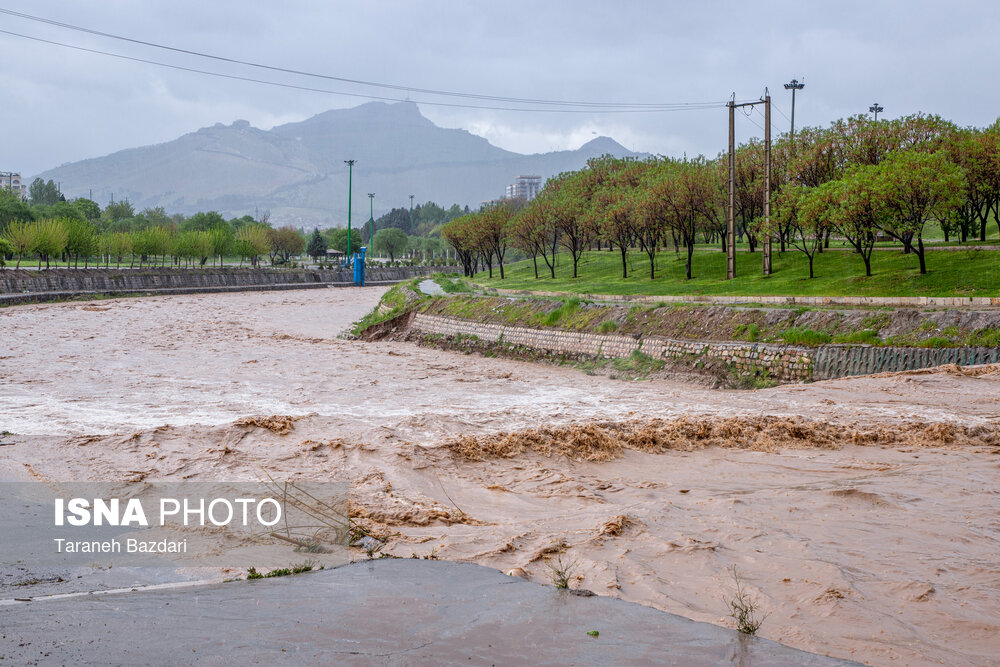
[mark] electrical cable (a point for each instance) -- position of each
(690, 107)
(616, 106)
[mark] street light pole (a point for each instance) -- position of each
(876, 109)
(371, 218)
(794, 85)
(350, 174)
(411, 214)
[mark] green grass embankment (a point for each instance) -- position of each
(800, 326)
(837, 273)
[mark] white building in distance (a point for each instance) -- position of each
(10, 180)
(525, 187)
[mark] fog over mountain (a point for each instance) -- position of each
(297, 170)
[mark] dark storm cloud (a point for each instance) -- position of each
(63, 105)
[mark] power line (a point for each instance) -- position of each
(689, 107)
(778, 109)
(616, 106)
(747, 116)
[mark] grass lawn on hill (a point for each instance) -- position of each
(838, 273)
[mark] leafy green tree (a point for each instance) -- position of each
(44, 192)
(391, 241)
(115, 244)
(5, 249)
(89, 208)
(285, 242)
(200, 222)
(13, 208)
(977, 152)
(807, 212)
(61, 209)
(49, 240)
(222, 238)
(494, 221)
(251, 242)
(458, 234)
(317, 245)
(569, 196)
(397, 217)
(532, 232)
(193, 246)
(118, 211)
(918, 187)
(858, 210)
(20, 237)
(337, 238)
(81, 240)
(157, 216)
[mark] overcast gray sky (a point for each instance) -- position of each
(60, 105)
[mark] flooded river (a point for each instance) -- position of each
(880, 550)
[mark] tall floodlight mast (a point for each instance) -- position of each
(794, 85)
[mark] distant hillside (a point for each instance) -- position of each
(297, 170)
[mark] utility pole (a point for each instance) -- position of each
(876, 109)
(371, 218)
(350, 174)
(766, 246)
(411, 214)
(731, 212)
(794, 85)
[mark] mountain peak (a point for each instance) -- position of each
(604, 145)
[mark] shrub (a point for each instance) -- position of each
(607, 326)
(743, 608)
(804, 336)
(748, 332)
(863, 337)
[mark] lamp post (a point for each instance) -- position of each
(876, 109)
(411, 214)
(794, 85)
(371, 218)
(350, 174)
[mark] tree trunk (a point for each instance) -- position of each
(534, 259)
(624, 251)
(920, 254)
(690, 255)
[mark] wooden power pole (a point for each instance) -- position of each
(766, 245)
(731, 211)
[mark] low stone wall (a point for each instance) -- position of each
(782, 362)
(787, 363)
(872, 301)
(70, 281)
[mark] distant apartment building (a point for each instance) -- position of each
(10, 180)
(525, 187)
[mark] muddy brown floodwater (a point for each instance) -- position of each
(864, 514)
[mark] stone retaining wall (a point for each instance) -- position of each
(69, 281)
(787, 363)
(875, 301)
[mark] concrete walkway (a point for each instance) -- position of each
(385, 612)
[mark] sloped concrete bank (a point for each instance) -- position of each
(785, 363)
(25, 286)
